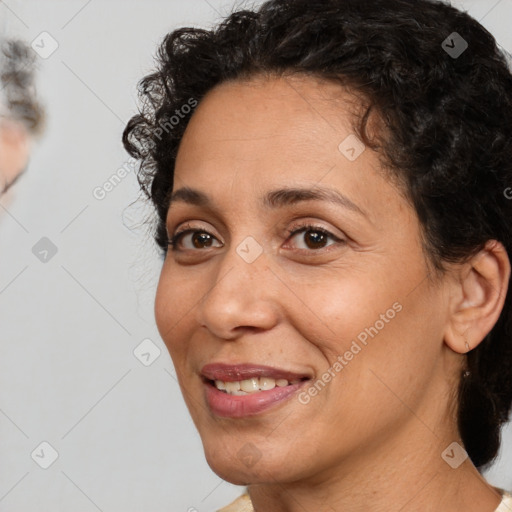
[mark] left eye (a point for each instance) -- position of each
(313, 237)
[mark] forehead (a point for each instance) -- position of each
(299, 121)
(247, 140)
(249, 137)
(268, 105)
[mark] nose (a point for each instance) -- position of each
(242, 297)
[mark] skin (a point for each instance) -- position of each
(372, 438)
(14, 152)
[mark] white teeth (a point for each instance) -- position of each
(252, 385)
(239, 393)
(232, 387)
(267, 383)
(220, 385)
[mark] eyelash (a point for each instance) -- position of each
(295, 230)
(305, 227)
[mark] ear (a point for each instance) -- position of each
(479, 296)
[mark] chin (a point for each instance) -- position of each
(231, 470)
(244, 466)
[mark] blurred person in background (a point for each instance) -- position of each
(21, 115)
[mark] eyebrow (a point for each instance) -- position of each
(275, 198)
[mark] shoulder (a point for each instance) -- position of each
(241, 504)
(506, 502)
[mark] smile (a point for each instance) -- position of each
(253, 385)
(236, 391)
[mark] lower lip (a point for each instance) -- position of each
(233, 406)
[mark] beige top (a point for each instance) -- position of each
(243, 504)
(506, 502)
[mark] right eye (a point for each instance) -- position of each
(196, 238)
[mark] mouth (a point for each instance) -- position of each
(243, 390)
(252, 385)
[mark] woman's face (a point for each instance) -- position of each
(14, 151)
(301, 273)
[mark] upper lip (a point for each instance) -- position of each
(243, 371)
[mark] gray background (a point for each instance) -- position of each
(69, 325)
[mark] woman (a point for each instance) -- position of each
(21, 115)
(330, 185)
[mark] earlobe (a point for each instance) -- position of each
(477, 305)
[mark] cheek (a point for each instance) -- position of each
(163, 310)
(366, 324)
(14, 151)
(173, 305)
(377, 344)
(342, 307)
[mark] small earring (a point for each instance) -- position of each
(466, 374)
(468, 348)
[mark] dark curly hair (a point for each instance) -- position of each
(447, 136)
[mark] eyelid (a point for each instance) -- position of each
(294, 230)
(187, 228)
(305, 226)
(187, 225)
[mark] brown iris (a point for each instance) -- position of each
(200, 240)
(315, 239)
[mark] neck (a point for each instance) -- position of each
(405, 473)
